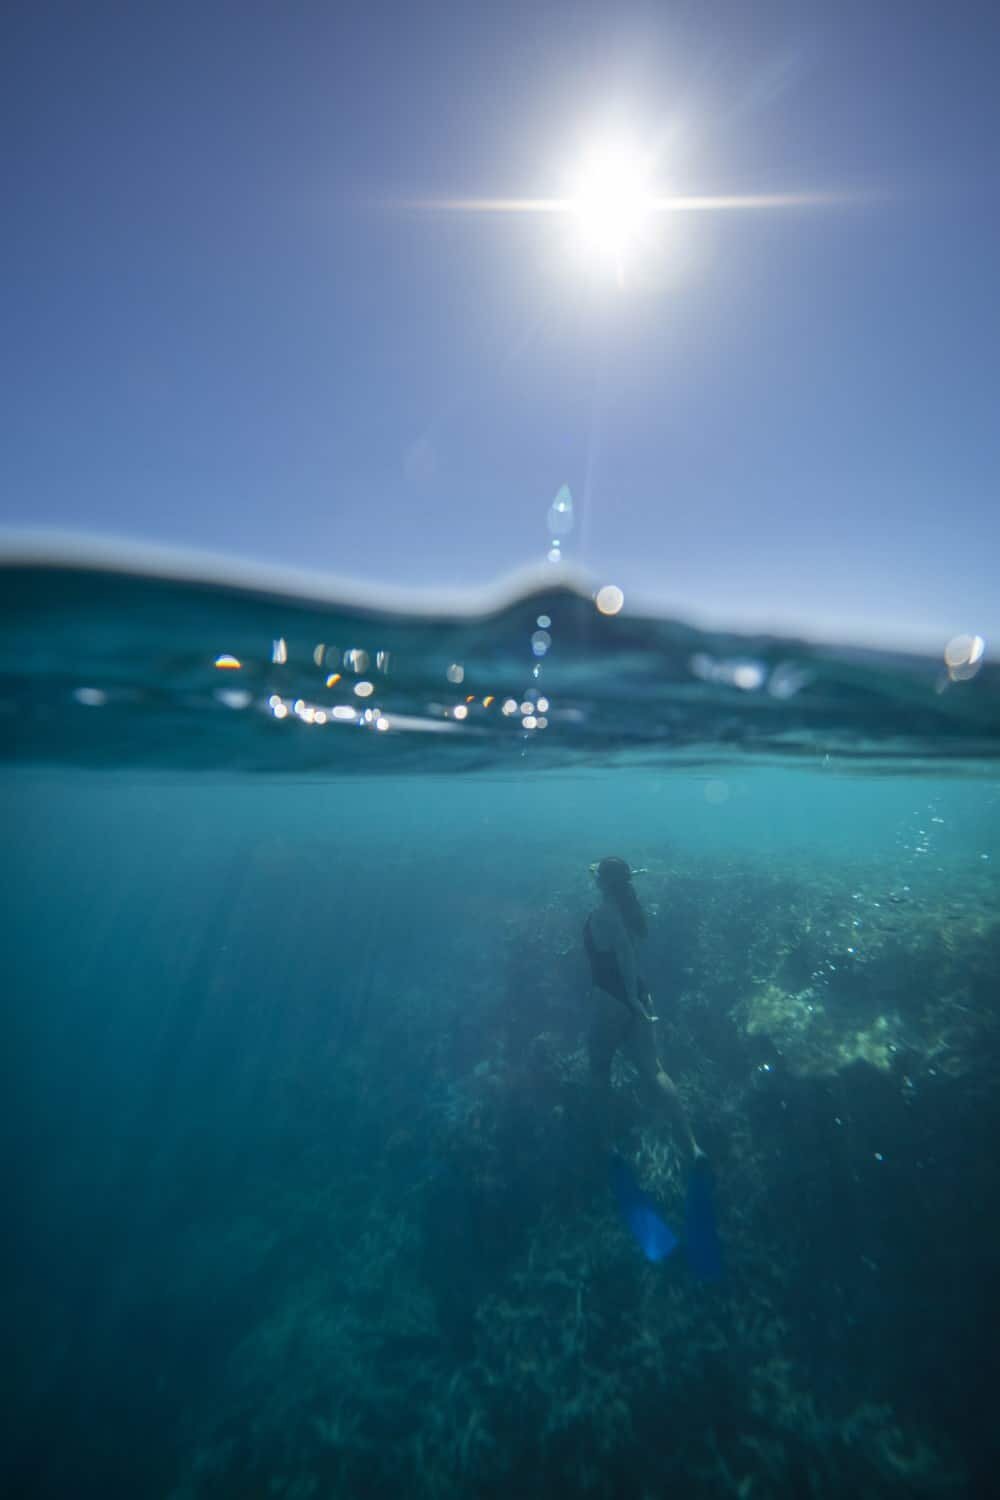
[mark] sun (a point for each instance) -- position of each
(611, 204)
(616, 209)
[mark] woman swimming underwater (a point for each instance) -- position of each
(621, 1016)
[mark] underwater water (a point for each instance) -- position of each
(306, 1194)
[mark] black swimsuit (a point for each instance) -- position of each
(604, 970)
(611, 1028)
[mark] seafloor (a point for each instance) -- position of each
(397, 1267)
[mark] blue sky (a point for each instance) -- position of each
(228, 326)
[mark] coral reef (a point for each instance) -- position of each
(472, 1319)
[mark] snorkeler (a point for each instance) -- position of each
(621, 1007)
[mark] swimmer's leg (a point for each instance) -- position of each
(659, 1085)
(608, 1026)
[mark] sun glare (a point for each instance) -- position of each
(616, 208)
(611, 205)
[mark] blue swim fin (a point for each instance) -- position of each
(701, 1238)
(655, 1239)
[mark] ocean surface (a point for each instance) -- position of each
(306, 1195)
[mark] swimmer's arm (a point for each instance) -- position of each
(625, 953)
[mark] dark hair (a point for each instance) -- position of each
(615, 877)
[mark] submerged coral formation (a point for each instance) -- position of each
(460, 1311)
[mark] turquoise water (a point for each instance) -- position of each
(305, 1187)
